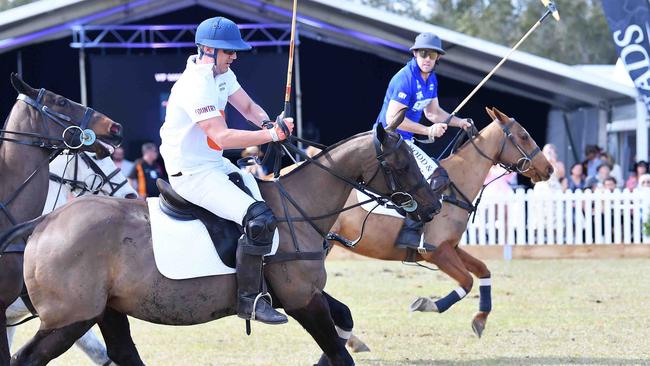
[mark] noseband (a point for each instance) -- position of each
(523, 164)
(81, 186)
(398, 193)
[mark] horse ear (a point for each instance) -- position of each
(21, 86)
(500, 115)
(490, 113)
(380, 132)
(399, 118)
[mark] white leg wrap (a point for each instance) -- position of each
(345, 334)
(460, 291)
(485, 281)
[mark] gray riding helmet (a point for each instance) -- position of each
(428, 40)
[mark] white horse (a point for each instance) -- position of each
(73, 175)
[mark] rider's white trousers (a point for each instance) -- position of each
(213, 190)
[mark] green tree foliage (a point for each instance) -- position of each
(581, 37)
(8, 4)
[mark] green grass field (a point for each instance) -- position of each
(552, 312)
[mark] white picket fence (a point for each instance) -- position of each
(542, 218)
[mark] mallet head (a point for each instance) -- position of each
(550, 5)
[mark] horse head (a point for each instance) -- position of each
(402, 177)
(70, 119)
(519, 152)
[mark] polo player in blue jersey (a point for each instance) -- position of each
(415, 88)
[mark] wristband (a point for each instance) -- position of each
(274, 135)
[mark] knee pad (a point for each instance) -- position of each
(260, 224)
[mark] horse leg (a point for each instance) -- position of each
(343, 323)
(447, 260)
(11, 283)
(480, 270)
(117, 335)
(90, 344)
(49, 344)
(317, 320)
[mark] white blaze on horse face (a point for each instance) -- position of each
(64, 166)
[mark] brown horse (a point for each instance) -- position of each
(505, 142)
(33, 135)
(92, 261)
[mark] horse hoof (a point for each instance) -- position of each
(423, 304)
(357, 345)
(478, 325)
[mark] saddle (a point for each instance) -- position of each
(223, 233)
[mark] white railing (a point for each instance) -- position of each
(541, 218)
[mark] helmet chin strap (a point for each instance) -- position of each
(213, 55)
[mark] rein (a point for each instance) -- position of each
(54, 144)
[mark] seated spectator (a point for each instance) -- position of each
(644, 181)
(550, 152)
(640, 168)
(609, 184)
(146, 171)
(597, 180)
(255, 169)
(126, 166)
(616, 172)
(592, 162)
(576, 179)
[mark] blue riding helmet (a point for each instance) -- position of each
(220, 33)
(429, 41)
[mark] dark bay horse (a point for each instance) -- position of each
(505, 142)
(92, 260)
(41, 124)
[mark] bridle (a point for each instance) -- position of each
(91, 184)
(523, 164)
(397, 192)
(56, 145)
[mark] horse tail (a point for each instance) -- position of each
(17, 231)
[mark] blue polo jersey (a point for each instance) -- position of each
(408, 88)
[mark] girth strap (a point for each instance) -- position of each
(294, 256)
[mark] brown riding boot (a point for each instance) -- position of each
(252, 297)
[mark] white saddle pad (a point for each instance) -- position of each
(426, 165)
(183, 249)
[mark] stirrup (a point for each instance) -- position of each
(259, 296)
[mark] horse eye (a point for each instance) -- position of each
(524, 136)
(62, 102)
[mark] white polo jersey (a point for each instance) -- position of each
(196, 96)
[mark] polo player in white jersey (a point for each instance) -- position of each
(193, 137)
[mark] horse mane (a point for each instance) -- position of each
(320, 154)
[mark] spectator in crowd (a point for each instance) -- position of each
(640, 168)
(616, 172)
(126, 166)
(609, 184)
(255, 169)
(146, 171)
(550, 152)
(644, 181)
(553, 183)
(592, 162)
(576, 179)
(597, 180)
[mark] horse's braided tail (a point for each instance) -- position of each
(21, 230)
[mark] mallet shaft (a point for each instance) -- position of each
(485, 79)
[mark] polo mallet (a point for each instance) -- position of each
(551, 8)
(287, 95)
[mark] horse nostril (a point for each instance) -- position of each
(131, 196)
(549, 170)
(116, 129)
